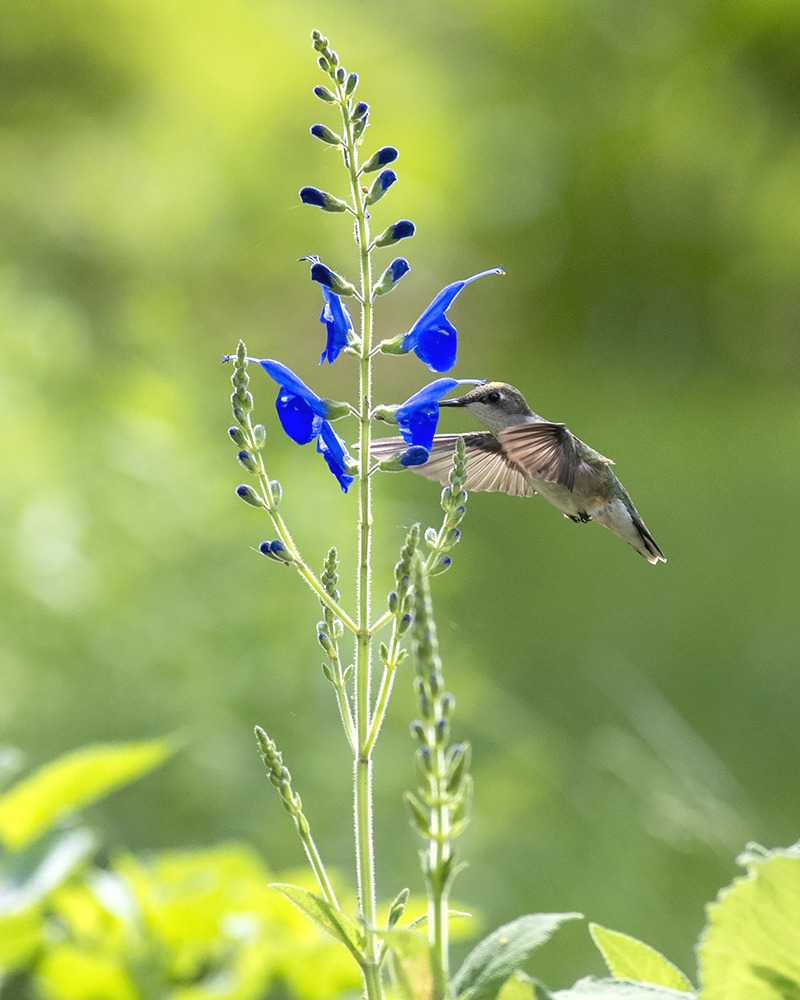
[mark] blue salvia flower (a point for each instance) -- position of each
(401, 230)
(303, 414)
(433, 338)
(393, 273)
(418, 416)
(337, 319)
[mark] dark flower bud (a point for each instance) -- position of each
(237, 436)
(401, 230)
(321, 199)
(333, 57)
(352, 83)
(393, 601)
(249, 495)
(404, 624)
(330, 279)
(384, 156)
(361, 110)
(275, 550)
(380, 186)
(441, 565)
(324, 94)
(393, 273)
(325, 134)
(340, 72)
(247, 461)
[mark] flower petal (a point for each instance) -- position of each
(433, 337)
(287, 379)
(418, 416)
(333, 450)
(337, 319)
(297, 418)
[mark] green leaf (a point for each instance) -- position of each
(59, 788)
(620, 989)
(336, 923)
(751, 944)
(414, 966)
(500, 954)
(628, 958)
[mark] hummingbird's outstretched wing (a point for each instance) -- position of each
(488, 469)
(548, 451)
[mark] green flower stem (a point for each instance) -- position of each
(280, 777)
(385, 689)
(362, 782)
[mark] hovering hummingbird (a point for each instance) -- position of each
(523, 454)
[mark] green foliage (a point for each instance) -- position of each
(503, 952)
(73, 781)
(628, 958)
(751, 945)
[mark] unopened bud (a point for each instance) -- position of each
(324, 94)
(393, 273)
(321, 199)
(401, 230)
(324, 134)
(249, 495)
(382, 158)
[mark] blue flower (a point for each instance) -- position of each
(303, 417)
(418, 416)
(401, 230)
(433, 337)
(393, 273)
(337, 319)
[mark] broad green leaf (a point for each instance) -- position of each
(628, 958)
(500, 954)
(620, 989)
(59, 788)
(751, 944)
(413, 965)
(342, 927)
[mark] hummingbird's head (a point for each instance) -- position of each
(496, 405)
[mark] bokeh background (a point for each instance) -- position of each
(634, 168)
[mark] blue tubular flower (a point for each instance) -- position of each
(303, 417)
(333, 450)
(433, 337)
(419, 415)
(337, 319)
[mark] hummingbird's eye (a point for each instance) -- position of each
(493, 397)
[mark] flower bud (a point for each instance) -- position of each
(247, 461)
(393, 601)
(275, 550)
(398, 907)
(431, 536)
(441, 565)
(324, 134)
(352, 83)
(401, 230)
(324, 94)
(277, 491)
(404, 624)
(360, 127)
(321, 199)
(384, 156)
(237, 436)
(393, 273)
(337, 409)
(241, 400)
(380, 186)
(361, 110)
(330, 279)
(259, 436)
(249, 495)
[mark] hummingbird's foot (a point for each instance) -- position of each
(581, 518)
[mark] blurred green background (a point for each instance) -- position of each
(634, 168)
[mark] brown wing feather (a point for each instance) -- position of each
(544, 450)
(488, 469)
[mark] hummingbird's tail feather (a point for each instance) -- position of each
(623, 519)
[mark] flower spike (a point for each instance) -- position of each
(433, 338)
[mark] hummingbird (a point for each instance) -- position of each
(521, 453)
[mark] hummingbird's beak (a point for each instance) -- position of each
(452, 402)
